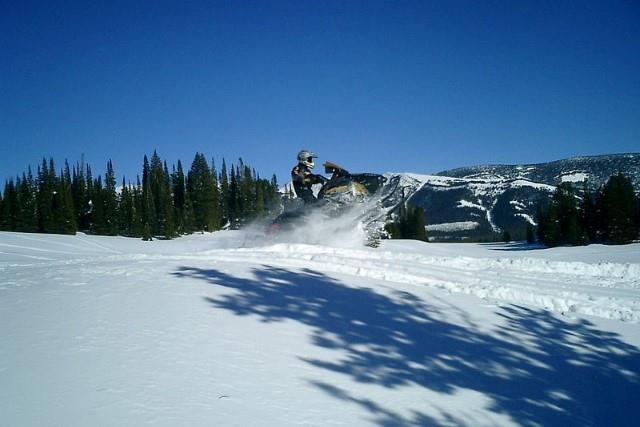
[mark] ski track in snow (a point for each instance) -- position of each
(603, 289)
(232, 329)
(557, 286)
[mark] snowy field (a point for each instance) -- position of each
(230, 329)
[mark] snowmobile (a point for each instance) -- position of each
(344, 187)
(343, 191)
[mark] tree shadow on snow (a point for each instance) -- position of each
(539, 369)
(514, 246)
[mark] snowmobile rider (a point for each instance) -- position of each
(302, 177)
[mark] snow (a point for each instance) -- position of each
(467, 204)
(518, 183)
(232, 328)
(574, 177)
(527, 218)
(517, 205)
(421, 179)
(453, 226)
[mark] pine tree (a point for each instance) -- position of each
(138, 209)
(10, 209)
(588, 215)
(240, 196)
(234, 199)
(46, 187)
(146, 232)
(98, 221)
(548, 223)
(247, 192)
(569, 225)
(618, 210)
(126, 211)
(160, 201)
(28, 219)
(530, 235)
(155, 186)
(29, 204)
(260, 198)
(217, 199)
(409, 224)
(559, 223)
(65, 216)
(189, 216)
(273, 195)
(183, 207)
(88, 214)
(201, 190)
(224, 194)
(110, 200)
(417, 223)
(600, 216)
(166, 205)
(179, 198)
(80, 195)
(148, 213)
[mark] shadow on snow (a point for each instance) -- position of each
(538, 369)
(514, 246)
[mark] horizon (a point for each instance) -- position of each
(373, 86)
(186, 166)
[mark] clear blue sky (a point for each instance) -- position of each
(375, 86)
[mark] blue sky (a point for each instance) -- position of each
(375, 86)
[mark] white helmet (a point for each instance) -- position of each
(306, 158)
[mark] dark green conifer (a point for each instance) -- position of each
(146, 232)
(530, 234)
(98, 222)
(618, 210)
(148, 213)
(179, 198)
(224, 193)
(28, 219)
(10, 211)
(79, 194)
(138, 209)
(65, 215)
(234, 199)
(202, 194)
(126, 211)
(46, 187)
(588, 215)
(110, 200)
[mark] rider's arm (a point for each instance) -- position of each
(318, 179)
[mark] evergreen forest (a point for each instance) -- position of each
(610, 215)
(160, 203)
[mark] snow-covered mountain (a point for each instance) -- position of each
(478, 202)
(595, 169)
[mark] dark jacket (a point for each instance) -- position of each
(303, 179)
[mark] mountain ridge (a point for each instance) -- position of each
(480, 202)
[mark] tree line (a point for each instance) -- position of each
(609, 215)
(408, 223)
(160, 202)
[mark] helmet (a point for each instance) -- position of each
(306, 158)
